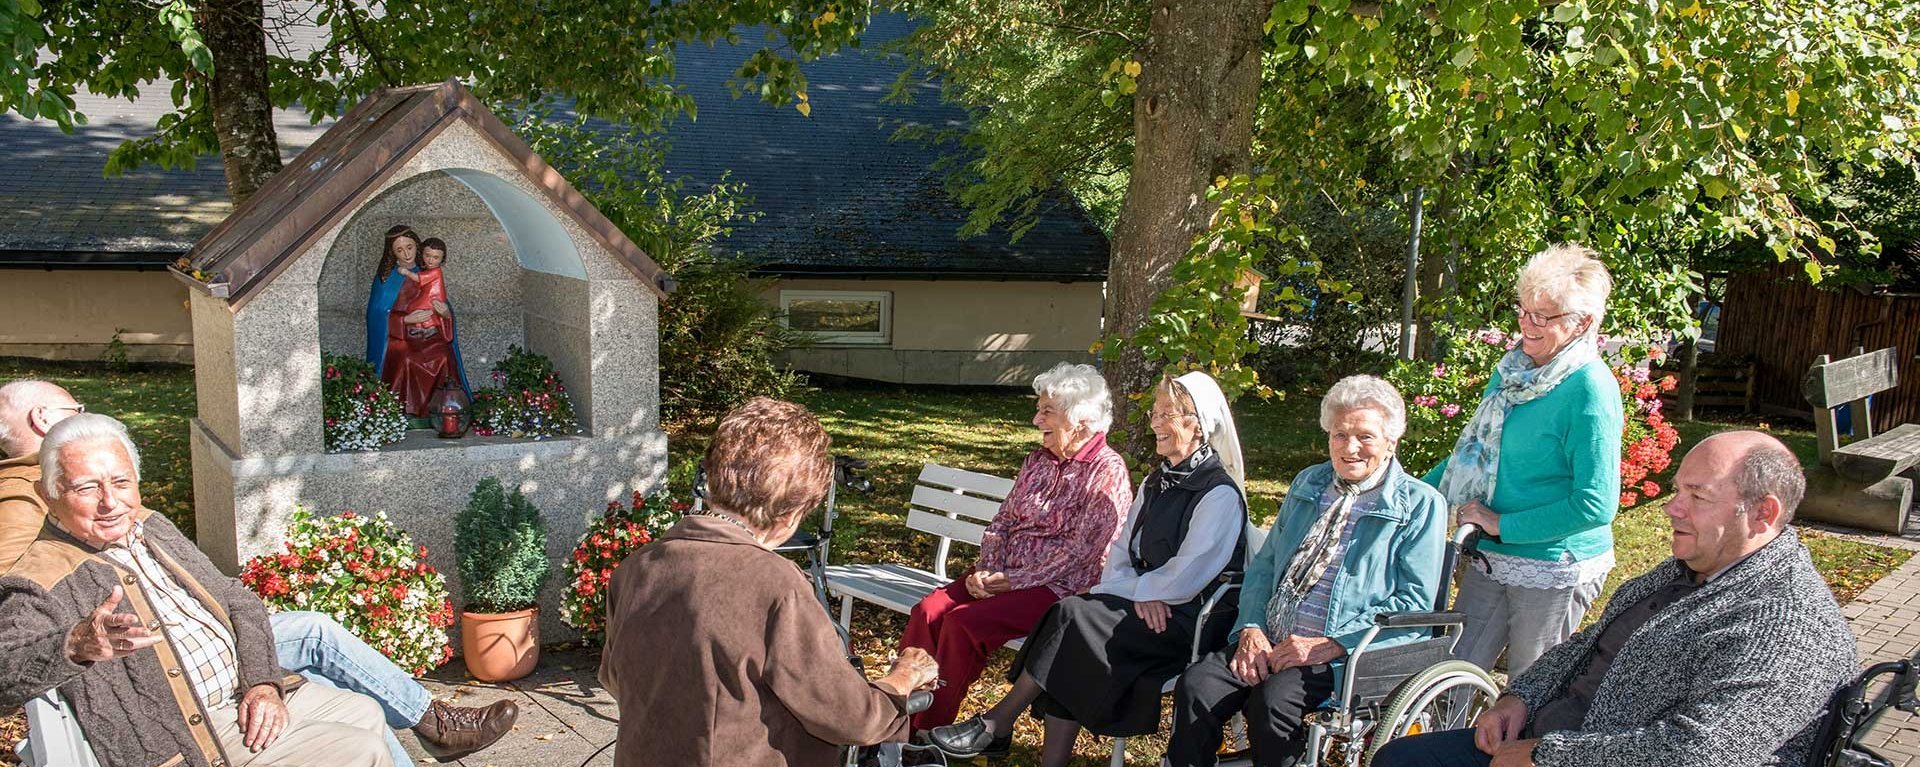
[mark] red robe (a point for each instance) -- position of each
(417, 366)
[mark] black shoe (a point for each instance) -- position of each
(969, 739)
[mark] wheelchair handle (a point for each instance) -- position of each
(919, 701)
(846, 472)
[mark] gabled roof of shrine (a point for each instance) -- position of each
(348, 164)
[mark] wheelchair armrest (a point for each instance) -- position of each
(1419, 620)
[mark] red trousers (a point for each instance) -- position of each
(961, 633)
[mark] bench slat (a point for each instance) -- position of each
(972, 482)
(1881, 456)
(945, 527)
(895, 587)
(955, 503)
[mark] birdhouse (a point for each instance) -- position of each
(1248, 286)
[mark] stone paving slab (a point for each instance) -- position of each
(1886, 620)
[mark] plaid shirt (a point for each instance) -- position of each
(205, 645)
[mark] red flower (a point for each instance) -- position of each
(1650, 487)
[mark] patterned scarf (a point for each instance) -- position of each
(1316, 552)
(1476, 456)
(1173, 474)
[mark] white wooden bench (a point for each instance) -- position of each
(950, 504)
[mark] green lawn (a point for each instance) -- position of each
(897, 430)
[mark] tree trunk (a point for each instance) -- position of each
(1192, 122)
(235, 33)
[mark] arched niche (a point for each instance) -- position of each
(513, 275)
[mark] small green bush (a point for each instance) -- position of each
(502, 545)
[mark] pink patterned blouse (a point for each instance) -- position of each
(1055, 526)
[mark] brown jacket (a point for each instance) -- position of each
(21, 510)
(720, 656)
(139, 710)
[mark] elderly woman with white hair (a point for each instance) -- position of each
(1047, 541)
(1098, 660)
(1538, 468)
(1356, 537)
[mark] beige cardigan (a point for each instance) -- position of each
(719, 654)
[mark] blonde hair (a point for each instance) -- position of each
(1570, 276)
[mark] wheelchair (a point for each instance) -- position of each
(1851, 713)
(1406, 689)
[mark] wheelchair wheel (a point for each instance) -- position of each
(1444, 696)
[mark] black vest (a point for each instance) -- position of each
(1165, 515)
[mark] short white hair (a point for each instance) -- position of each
(85, 427)
(1571, 276)
(1080, 391)
(16, 398)
(1356, 392)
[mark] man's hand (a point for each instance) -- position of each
(1475, 512)
(1297, 650)
(1155, 614)
(106, 635)
(1250, 661)
(996, 583)
(263, 715)
(1515, 753)
(1501, 725)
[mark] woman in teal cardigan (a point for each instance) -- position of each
(1538, 467)
(1356, 537)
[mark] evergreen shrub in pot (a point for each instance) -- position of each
(501, 541)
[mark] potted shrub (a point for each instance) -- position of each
(502, 545)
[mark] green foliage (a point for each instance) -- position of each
(615, 60)
(115, 354)
(1442, 396)
(719, 339)
(527, 399)
(501, 541)
(359, 411)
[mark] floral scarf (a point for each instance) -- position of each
(1475, 464)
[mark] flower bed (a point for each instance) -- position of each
(361, 412)
(1442, 397)
(369, 576)
(609, 539)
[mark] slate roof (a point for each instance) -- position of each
(839, 197)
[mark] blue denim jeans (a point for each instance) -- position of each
(323, 651)
(1447, 748)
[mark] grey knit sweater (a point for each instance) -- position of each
(1736, 673)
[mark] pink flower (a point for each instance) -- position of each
(1424, 400)
(1450, 410)
(1439, 371)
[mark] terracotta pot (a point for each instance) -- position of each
(500, 647)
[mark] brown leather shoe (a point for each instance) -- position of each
(451, 732)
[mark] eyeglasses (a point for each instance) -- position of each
(1162, 415)
(75, 407)
(1537, 318)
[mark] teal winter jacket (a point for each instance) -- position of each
(1391, 565)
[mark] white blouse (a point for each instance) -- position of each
(1212, 534)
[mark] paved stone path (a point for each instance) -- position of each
(565, 716)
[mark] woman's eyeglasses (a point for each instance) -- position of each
(1537, 318)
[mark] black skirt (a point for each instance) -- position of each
(1100, 665)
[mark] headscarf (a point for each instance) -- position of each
(1216, 423)
(1475, 464)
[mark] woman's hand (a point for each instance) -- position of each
(1477, 513)
(1250, 661)
(996, 583)
(1297, 650)
(913, 670)
(1500, 725)
(418, 316)
(975, 587)
(1154, 613)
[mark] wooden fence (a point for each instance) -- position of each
(1782, 323)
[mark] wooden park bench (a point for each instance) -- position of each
(950, 504)
(1867, 483)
